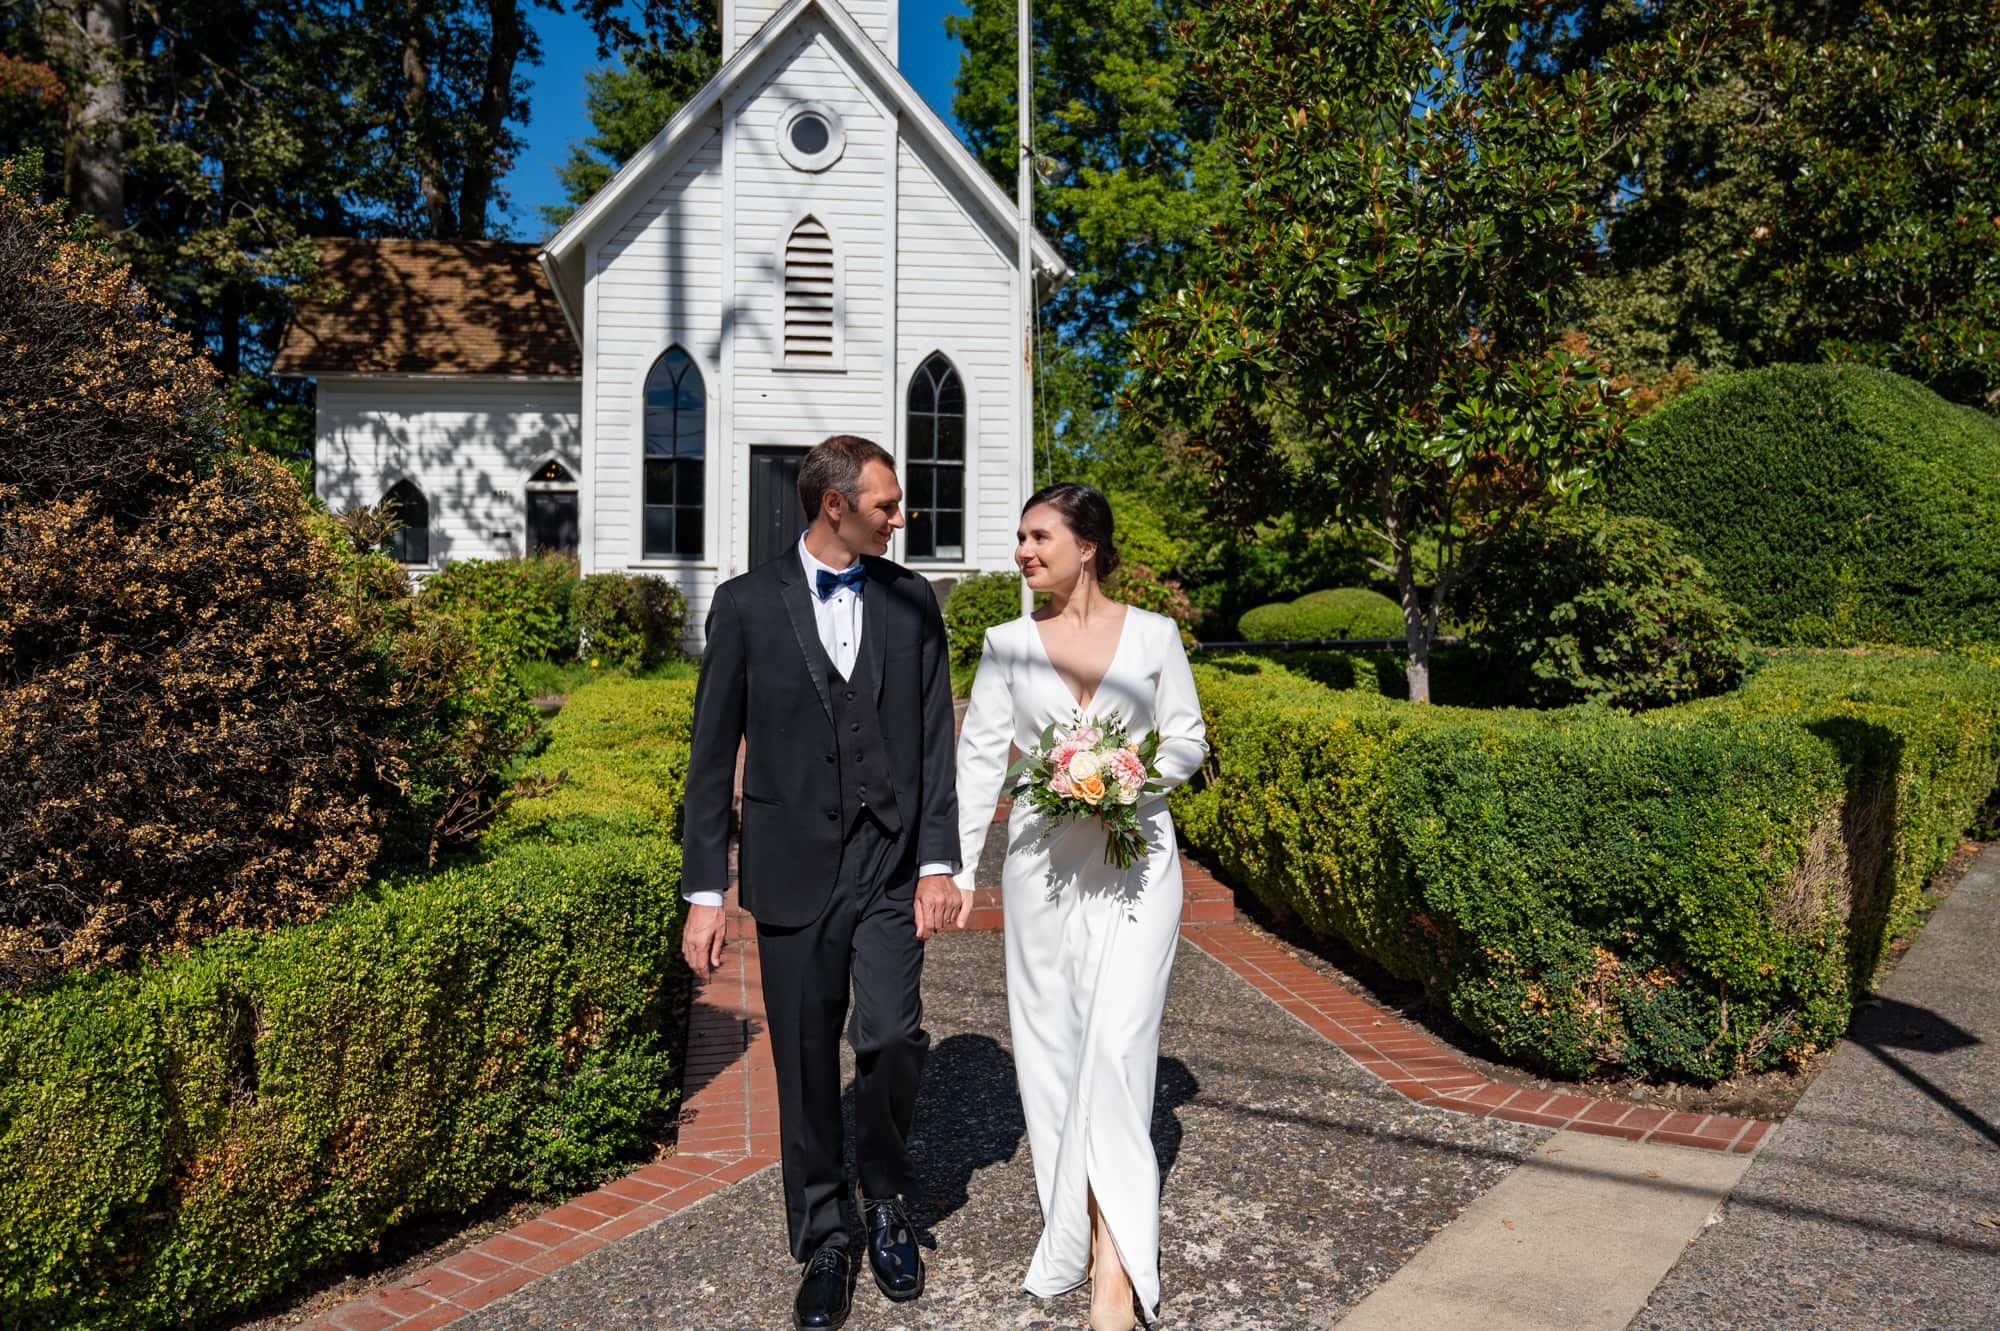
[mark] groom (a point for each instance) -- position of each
(828, 663)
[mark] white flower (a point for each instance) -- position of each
(1084, 765)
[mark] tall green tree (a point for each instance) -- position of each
(1379, 342)
(1829, 195)
(1132, 178)
(659, 64)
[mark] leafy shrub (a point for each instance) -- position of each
(1583, 605)
(627, 621)
(448, 716)
(618, 749)
(1141, 535)
(1338, 612)
(1136, 584)
(1835, 504)
(180, 747)
(975, 605)
(187, 1139)
(517, 609)
(1691, 892)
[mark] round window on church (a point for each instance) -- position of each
(810, 137)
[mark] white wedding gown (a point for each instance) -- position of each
(1089, 947)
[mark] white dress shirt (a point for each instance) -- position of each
(839, 620)
(838, 616)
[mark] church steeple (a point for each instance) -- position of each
(742, 18)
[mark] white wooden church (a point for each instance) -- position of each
(804, 249)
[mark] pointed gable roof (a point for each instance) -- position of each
(563, 256)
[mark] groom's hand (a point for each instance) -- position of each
(703, 939)
(939, 904)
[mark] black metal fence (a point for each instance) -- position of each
(1320, 644)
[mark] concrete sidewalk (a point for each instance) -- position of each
(1365, 1179)
(1296, 1182)
(1876, 1204)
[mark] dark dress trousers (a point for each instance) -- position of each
(848, 785)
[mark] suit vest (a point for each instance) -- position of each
(866, 782)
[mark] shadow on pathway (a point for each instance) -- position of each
(1295, 1183)
(1876, 1205)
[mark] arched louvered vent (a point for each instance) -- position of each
(809, 312)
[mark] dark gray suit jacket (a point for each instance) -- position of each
(764, 681)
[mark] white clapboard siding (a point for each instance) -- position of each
(470, 445)
(954, 293)
(775, 403)
(742, 18)
(655, 282)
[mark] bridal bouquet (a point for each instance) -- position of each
(1091, 769)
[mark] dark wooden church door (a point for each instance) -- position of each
(775, 517)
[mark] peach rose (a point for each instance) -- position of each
(1090, 789)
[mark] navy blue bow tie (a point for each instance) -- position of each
(828, 583)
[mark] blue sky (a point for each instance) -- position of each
(557, 119)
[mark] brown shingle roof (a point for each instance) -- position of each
(431, 307)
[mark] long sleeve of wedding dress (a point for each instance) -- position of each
(1090, 947)
(983, 742)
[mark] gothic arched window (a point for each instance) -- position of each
(935, 471)
(676, 431)
(410, 543)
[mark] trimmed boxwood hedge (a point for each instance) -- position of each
(1337, 612)
(1663, 895)
(1837, 504)
(1917, 735)
(193, 1136)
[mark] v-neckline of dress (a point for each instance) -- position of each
(1117, 650)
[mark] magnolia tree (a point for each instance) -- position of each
(1378, 340)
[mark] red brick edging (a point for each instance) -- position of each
(728, 1131)
(1425, 1071)
(729, 1120)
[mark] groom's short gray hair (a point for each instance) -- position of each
(835, 464)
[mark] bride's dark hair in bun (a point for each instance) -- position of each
(1088, 514)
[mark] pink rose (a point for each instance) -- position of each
(1060, 783)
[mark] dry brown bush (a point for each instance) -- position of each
(180, 751)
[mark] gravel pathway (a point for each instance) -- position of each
(1876, 1205)
(1295, 1184)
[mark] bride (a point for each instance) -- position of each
(1089, 946)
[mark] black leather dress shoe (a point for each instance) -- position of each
(826, 1291)
(892, 1250)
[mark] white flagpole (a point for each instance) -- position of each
(1025, 314)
